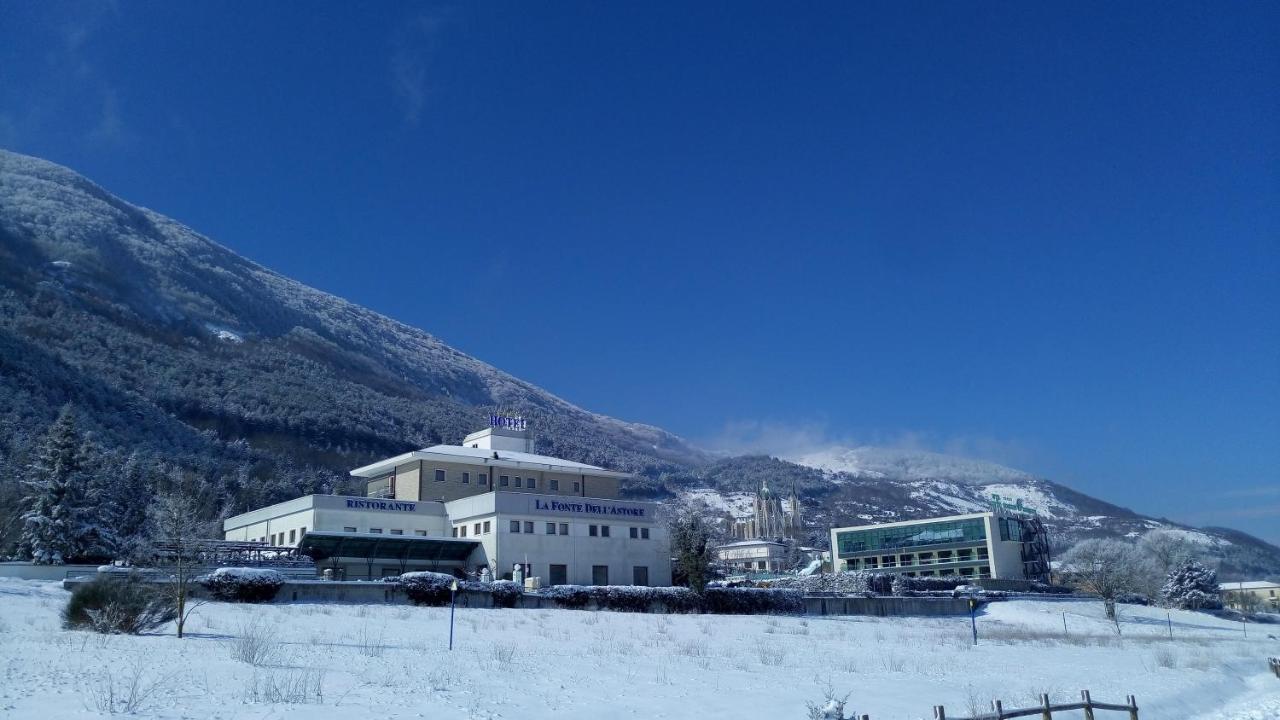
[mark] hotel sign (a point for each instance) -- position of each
(588, 508)
(508, 422)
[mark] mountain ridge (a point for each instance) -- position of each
(175, 346)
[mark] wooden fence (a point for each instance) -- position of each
(1046, 709)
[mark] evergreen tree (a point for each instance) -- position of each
(1192, 586)
(56, 527)
(124, 501)
(691, 544)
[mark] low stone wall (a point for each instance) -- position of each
(886, 606)
(31, 571)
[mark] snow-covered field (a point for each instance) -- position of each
(331, 662)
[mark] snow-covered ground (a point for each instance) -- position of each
(351, 661)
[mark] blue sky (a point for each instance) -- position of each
(1043, 235)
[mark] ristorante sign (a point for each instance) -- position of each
(392, 505)
(588, 508)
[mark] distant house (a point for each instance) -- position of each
(1251, 593)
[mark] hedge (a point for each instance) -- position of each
(247, 585)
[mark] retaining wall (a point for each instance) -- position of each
(31, 571)
(885, 606)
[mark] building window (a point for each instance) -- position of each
(518, 481)
(348, 529)
(420, 533)
(462, 531)
(551, 528)
(504, 480)
(555, 485)
(528, 526)
(475, 529)
(644, 533)
(604, 531)
(533, 483)
(559, 575)
(515, 526)
(486, 527)
(577, 486)
(396, 531)
(564, 528)
(455, 532)
(593, 530)
(599, 574)
(376, 531)
(439, 476)
(466, 478)
(635, 533)
(293, 536)
(640, 575)
(483, 479)
(303, 531)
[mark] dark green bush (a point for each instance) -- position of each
(752, 601)
(246, 585)
(128, 605)
(505, 593)
(427, 588)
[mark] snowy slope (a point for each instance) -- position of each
(878, 462)
(336, 662)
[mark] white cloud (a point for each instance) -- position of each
(803, 438)
(413, 48)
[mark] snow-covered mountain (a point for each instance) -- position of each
(879, 462)
(855, 486)
(172, 346)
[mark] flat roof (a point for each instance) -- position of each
(322, 545)
(481, 456)
(923, 521)
(1249, 585)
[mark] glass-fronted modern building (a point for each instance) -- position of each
(978, 545)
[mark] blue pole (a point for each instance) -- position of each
(973, 620)
(453, 597)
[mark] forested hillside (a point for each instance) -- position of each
(174, 349)
(176, 358)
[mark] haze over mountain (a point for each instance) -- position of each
(170, 345)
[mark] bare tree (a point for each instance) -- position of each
(1108, 568)
(176, 531)
(1167, 550)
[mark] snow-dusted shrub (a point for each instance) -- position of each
(752, 601)
(505, 592)
(248, 585)
(903, 585)
(427, 588)
(851, 582)
(127, 605)
(574, 597)
(1192, 586)
(623, 598)
(677, 599)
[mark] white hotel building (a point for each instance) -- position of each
(487, 503)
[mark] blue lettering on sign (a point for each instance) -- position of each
(510, 422)
(586, 508)
(381, 505)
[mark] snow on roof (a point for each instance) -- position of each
(1248, 585)
(482, 456)
(508, 455)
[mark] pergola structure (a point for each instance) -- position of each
(437, 553)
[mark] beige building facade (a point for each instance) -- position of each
(486, 505)
(1260, 594)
